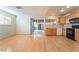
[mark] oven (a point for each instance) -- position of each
(70, 33)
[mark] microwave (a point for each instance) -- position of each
(74, 20)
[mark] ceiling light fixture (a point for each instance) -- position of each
(68, 7)
(62, 10)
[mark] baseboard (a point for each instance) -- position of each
(7, 37)
(23, 34)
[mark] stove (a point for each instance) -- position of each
(70, 32)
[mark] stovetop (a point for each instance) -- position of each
(75, 26)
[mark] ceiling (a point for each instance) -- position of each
(36, 10)
(55, 10)
(47, 10)
(42, 10)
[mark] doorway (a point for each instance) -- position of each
(37, 26)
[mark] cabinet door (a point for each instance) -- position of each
(51, 31)
(62, 20)
(77, 35)
(77, 12)
(67, 19)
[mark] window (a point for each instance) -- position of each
(50, 21)
(5, 20)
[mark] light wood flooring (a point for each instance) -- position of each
(30, 43)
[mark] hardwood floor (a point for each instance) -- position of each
(30, 43)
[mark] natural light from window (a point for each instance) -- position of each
(5, 20)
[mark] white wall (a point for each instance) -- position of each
(22, 21)
(67, 26)
(23, 24)
(8, 30)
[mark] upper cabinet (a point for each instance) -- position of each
(73, 14)
(61, 20)
(67, 19)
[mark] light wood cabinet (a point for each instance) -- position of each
(72, 14)
(61, 20)
(50, 31)
(77, 35)
(67, 19)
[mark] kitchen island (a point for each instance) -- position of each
(50, 31)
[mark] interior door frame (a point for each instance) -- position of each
(31, 25)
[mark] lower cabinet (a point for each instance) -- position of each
(77, 35)
(50, 31)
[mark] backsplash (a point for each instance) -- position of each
(67, 26)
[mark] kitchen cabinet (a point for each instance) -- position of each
(77, 35)
(67, 19)
(72, 14)
(50, 31)
(61, 20)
